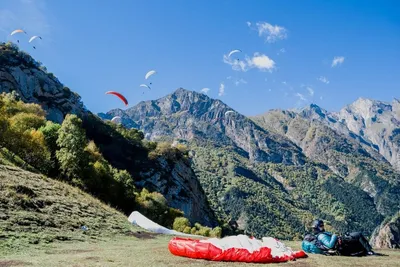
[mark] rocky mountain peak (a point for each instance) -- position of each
(19, 72)
(314, 111)
(193, 116)
(368, 108)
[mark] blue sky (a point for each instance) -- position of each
(287, 61)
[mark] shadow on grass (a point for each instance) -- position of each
(11, 263)
(143, 235)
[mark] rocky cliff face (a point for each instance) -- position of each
(19, 72)
(172, 177)
(387, 235)
(377, 122)
(180, 186)
(189, 115)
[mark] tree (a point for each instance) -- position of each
(26, 121)
(34, 150)
(180, 224)
(4, 128)
(50, 132)
(72, 143)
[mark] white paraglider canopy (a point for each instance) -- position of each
(34, 37)
(144, 222)
(234, 51)
(148, 74)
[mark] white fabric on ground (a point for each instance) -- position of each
(144, 222)
(243, 241)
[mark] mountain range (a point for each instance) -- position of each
(284, 167)
(273, 173)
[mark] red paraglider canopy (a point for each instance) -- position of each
(118, 95)
(234, 248)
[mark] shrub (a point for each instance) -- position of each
(180, 224)
(204, 231)
(193, 230)
(216, 232)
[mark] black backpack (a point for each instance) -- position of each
(351, 246)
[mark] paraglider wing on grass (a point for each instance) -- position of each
(144, 222)
(234, 248)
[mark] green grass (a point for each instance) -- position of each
(147, 250)
(38, 210)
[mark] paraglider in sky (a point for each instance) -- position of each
(228, 112)
(119, 96)
(148, 74)
(145, 85)
(116, 119)
(234, 51)
(18, 31)
(33, 38)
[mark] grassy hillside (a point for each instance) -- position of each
(38, 210)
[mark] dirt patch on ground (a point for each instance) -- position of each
(68, 251)
(92, 258)
(13, 263)
(143, 235)
(299, 263)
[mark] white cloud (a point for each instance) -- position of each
(337, 61)
(323, 79)
(271, 33)
(302, 98)
(221, 90)
(205, 90)
(259, 61)
(229, 77)
(284, 82)
(248, 23)
(310, 91)
(281, 51)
